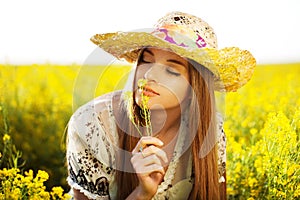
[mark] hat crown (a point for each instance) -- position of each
(189, 23)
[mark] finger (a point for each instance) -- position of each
(143, 165)
(157, 151)
(146, 170)
(152, 159)
(145, 141)
(139, 161)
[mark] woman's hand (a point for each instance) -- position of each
(148, 161)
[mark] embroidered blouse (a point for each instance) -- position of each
(92, 138)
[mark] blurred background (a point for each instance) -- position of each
(59, 31)
(49, 67)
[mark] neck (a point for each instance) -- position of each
(165, 126)
(165, 121)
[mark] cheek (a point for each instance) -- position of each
(140, 71)
(179, 88)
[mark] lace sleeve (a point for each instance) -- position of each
(88, 154)
(221, 149)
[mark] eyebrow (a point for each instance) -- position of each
(176, 62)
(148, 51)
(169, 60)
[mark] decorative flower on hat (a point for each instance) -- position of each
(176, 34)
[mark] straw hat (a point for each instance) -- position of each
(190, 37)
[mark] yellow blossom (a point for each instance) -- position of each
(42, 176)
(230, 191)
(297, 191)
(292, 169)
(252, 182)
(16, 186)
(253, 131)
(281, 194)
(6, 138)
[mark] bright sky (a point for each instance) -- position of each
(58, 31)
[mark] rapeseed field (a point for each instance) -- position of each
(262, 125)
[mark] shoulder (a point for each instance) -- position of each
(92, 136)
(92, 129)
(91, 110)
(93, 124)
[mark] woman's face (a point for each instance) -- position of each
(167, 78)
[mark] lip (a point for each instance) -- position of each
(147, 91)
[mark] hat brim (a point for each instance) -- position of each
(231, 66)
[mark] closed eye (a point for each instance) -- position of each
(171, 71)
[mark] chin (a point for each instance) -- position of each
(156, 107)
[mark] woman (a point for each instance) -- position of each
(164, 139)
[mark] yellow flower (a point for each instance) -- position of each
(238, 167)
(142, 83)
(297, 191)
(16, 186)
(6, 138)
(145, 114)
(9, 172)
(230, 191)
(252, 182)
(16, 192)
(56, 192)
(254, 193)
(292, 169)
(253, 131)
(281, 194)
(42, 176)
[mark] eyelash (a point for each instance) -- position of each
(173, 73)
(167, 70)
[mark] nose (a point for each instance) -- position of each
(152, 73)
(149, 74)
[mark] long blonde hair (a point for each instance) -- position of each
(205, 169)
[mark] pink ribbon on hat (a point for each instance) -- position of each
(180, 37)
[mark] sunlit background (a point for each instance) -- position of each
(55, 31)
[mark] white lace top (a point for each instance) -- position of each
(92, 140)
